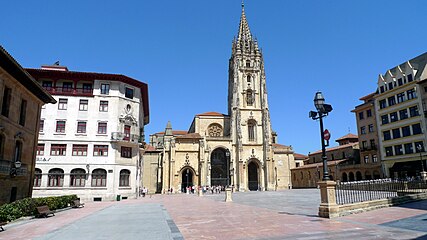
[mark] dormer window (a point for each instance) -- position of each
(410, 79)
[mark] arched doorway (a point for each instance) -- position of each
(351, 176)
(253, 179)
(186, 179)
(358, 176)
(220, 162)
(344, 177)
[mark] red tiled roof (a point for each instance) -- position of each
(212, 114)
(149, 148)
(276, 145)
(189, 136)
(174, 132)
(369, 96)
(348, 136)
(335, 148)
(300, 156)
(320, 165)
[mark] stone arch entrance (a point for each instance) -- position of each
(253, 176)
(186, 179)
(220, 164)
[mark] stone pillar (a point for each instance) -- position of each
(328, 204)
(200, 191)
(228, 195)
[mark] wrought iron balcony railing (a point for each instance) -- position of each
(123, 137)
(69, 91)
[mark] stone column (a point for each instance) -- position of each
(228, 195)
(328, 204)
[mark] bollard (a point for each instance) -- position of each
(228, 195)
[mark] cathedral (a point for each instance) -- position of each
(237, 149)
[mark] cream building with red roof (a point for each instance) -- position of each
(238, 148)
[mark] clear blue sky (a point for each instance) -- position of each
(181, 49)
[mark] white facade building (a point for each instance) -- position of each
(89, 142)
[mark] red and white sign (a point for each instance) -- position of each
(326, 135)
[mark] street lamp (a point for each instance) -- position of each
(322, 111)
(227, 154)
(420, 150)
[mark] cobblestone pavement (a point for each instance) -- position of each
(251, 215)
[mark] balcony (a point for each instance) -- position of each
(371, 148)
(69, 91)
(122, 137)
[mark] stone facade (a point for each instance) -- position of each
(21, 101)
(90, 141)
(238, 148)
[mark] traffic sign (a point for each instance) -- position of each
(326, 135)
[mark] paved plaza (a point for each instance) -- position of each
(251, 215)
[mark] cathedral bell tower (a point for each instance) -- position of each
(248, 111)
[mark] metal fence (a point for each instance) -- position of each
(361, 191)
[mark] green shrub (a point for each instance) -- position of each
(28, 206)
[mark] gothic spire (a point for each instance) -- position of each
(168, 130)
(244, 31)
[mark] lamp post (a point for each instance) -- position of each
(420, 150)
(323, 110)
(227, 154)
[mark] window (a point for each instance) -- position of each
(387, 135)
(215, 130)
(363, 130)
(371, 128)
(398, 150)
(383, 104)
(102, 128)
(79, 150)
(384, 119)
(248, 63)
(251, 131)
(100, 150)
(105, 89)
(419, 147)
(47, 85)
(403, 114)
(413, 111)
(124, 178)
(409, 148)
(249, 97)
(58, 149)
(99, 178)
(77, 177)
(37, 177)
(83, 104)
(416, 129)
(40, 149)
(396, 133)
(388, 151)
(103, 106)
(400, 82)
(366, 159)
(129, 93)
(23, 112)
(382, 89)
(81, 127)
(41, 125)
(56, 177)
(391, 101)
(87, 88)
(374, 158)
(368, 113)
(67, 86)
(361, 116)
(393, 117)
(406, 131)
(372, 142)
(390, 85)
(127, 133)
(62, 104)
(401, 97)
(7, 97)
(410, 79)
(60, 126)
(364, 145)
(411, 94)
(248, 78)
(126, 152)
